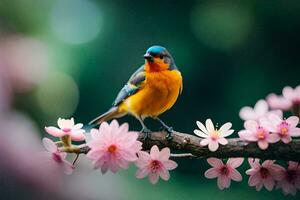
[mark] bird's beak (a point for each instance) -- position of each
(149, 57)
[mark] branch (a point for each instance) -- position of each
(190, 146)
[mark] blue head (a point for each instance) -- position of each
(159, 56)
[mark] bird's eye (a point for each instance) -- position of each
(161, 56)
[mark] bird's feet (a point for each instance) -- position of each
(169, 131)
(147, 133)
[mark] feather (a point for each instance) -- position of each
(132, 86)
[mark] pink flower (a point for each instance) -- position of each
(291, 179)
(67, 127)
(290, 98)
(256, 132)
(155, 165)
(264, 175)
(284, 129)
(113, 147)
(224, 172)
(260, 110)
(212, 137)
(58, 157)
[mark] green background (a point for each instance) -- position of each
(230, 53)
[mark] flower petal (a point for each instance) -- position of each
(261, 107)
(164, 174)
(49, 145)
(209, 125)
(202, 127)
(269, 125)
(211, 173)
(287, 139)
(225, 127)
(254, 179)
(54, 131)
(273, 138)
(293, 121)
(68, 168)
(204, 142)
(235, 175)
(164, 154)
(154, 152)
(142, 173)
(153, 177)
(215, 162)
(200, 134)
(274, 119)
(235, 162)
(77, 135)
(269, 183)
(170, 164)
(227, 133)
(213, 146)
(78, 126)
(247, 135)
(277, 102)
(254, 163)
(223, 141)
(251, 125)
(247, 113)
(223, 182)
(295, 132)
(288, 92)
(262, 144)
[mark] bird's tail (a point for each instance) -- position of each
(110, 114)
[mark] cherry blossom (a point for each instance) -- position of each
(113, 147)
(67, 127)
(290, 98)
(255, 132)
(291, 179)
(264, 174)
(260, 110)
(156, 164)
(285, 129)
(58, 157)
(224, 172)
(212, 137)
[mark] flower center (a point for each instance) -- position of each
(224, 170)
(56, 157)
(264, 172)
(261, 133)
(112, 148)
(283, 128)
(66, 130)
(215, 135)
(155, 165)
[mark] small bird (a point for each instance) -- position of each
(149, 92)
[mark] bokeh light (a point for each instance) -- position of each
(76, 21)
(25, 61)
(221, 26)
(58, 95)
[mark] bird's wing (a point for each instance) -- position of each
(132, 86)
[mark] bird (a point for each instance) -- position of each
(150, 91)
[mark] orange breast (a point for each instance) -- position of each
(158, 94)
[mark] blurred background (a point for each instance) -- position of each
(64, 58)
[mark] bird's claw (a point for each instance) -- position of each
(169, 131)
(147, 132)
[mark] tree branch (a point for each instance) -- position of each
(190, 146)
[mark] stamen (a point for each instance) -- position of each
(112, 148)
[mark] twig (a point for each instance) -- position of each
(181, 155)
(75, 159)
(235, 148)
